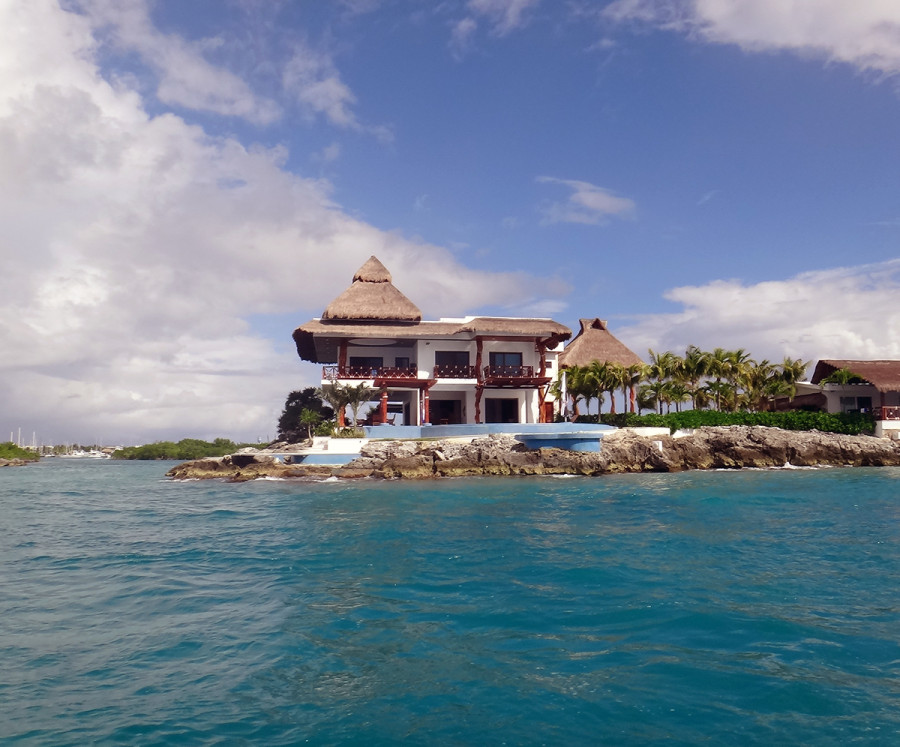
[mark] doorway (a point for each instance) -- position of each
(501, 410)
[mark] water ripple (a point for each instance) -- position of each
(751, 608)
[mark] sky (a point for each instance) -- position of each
(184, 182)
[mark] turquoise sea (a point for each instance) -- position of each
(756, 607)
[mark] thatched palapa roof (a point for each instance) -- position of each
(316, 340)
(373, 309)
(595, 342)
(372, 297)
(883, 375)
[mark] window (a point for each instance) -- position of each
(366, 365)
(401, 362)
(506, 359)
(451, 357)
(453, 364)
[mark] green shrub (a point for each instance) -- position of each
(187, 448)
(8, 450)
(797, 420)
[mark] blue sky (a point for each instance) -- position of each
(184, 182)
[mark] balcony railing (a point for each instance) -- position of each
(454, 371)
(509, 372)
(332, 373)
(887, 413)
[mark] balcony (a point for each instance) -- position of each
(508, 372)
(334, 373)
(454, 371)
(887, 413)
(512, 376)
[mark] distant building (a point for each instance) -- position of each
(467, 370)
(877, 389)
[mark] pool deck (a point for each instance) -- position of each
(337, 451)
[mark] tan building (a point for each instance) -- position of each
(449, 371)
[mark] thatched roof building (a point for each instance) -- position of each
(593, 342)
(883, 375)
(373, 309)
(372, 297)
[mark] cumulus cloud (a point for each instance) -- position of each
(587, 204)
(865, 35)
(849, 312)
(137, 247)
(186, 77)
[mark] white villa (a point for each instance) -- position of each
(449, 371)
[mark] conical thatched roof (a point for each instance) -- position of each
(372, 297)
(595, 342)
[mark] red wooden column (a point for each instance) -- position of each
(542, 390)
(384, 405)
(479, 389)
(426, 414)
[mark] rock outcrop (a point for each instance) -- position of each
(13, 462)
(622, 451)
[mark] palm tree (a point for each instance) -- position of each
(721, 392)
(792, 371)
(646, 399)
(662, 365)
(694, 367)
(310, 419)
(608, 377)
(357, 396)
(633, 376)
(717, 367)
(578, 386)
(338, 396)
(842, 376)
(655, 392)
(676, 393)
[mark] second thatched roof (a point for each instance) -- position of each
(595, 342)
(372, 297)
(884, 375)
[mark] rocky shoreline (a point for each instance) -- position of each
(729, 447)
(13, 462)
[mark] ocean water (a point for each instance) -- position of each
(756, 607)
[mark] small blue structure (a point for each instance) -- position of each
(571, 436)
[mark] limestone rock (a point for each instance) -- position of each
(723, 447)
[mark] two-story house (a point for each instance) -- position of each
(467, 370)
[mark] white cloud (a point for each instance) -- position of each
(850, 312)
(135, 248)
(314, 81)
(461, 36)
(863, 34)
(587, 204)
(329, 153)
(506, 15)
(503, 17)
(186, 77)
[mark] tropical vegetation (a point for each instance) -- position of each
(304, 411)
(9, 450)
(720, 380)
(322, 411)
(792, 420)
(187, 448)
